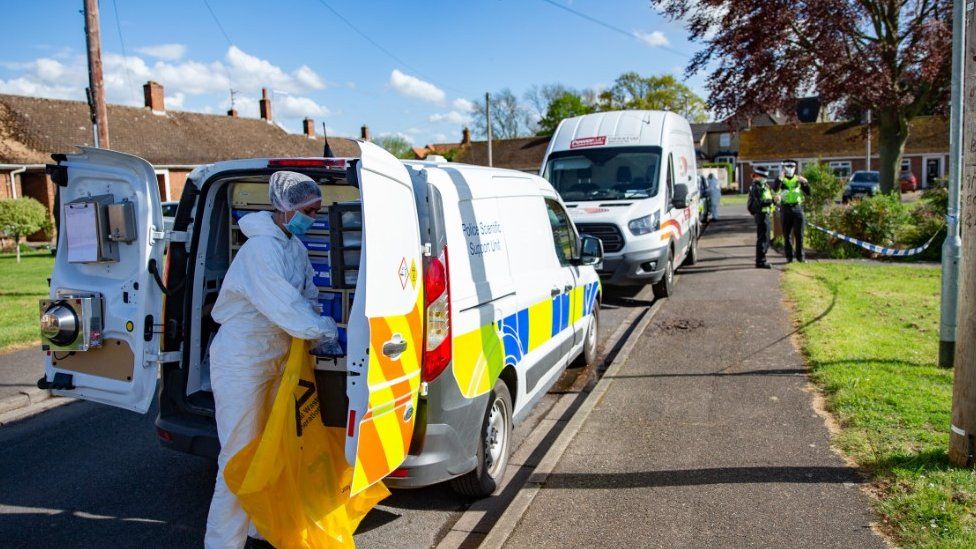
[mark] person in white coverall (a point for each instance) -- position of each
(267, 298)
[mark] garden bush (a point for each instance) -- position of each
(880, 219)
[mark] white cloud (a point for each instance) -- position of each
(308, 78)
(438, 138)
(167, 52)
(407, 138)
(463, 105)
(453, 117)
(175, 101)
(412, 86)
(653, 39)
(290, 106)
(413, 131)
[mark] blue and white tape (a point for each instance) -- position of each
(894, 252)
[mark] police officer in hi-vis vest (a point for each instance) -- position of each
(790, 189)
(761, 206)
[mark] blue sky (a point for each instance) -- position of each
(443, 54)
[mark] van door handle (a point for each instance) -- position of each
(555, 291)
(395, 347)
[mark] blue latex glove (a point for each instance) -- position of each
(328, 348)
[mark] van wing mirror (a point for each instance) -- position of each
(591, 251)
(680, 200)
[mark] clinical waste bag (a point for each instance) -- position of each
(294, 480)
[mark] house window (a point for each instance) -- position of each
(841, 168)
(773, 168)
(906, 165)
(725, 159)
(725, 140)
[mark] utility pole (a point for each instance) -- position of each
(867, 158)
(95, 82)
(488, 123)
(962, 437)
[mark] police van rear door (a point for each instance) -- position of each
(385, 324)
(101, 324)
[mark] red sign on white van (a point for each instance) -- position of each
(588, 142)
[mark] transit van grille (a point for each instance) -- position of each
(613, 241)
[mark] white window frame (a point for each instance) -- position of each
(725, 139)
(169, 191)
(774, 168)
(906, 165)
(726, 159)
(841, 164)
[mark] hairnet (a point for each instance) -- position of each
(290, 191)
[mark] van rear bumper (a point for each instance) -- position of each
(189, 434)
(443, 458)
(634, 268)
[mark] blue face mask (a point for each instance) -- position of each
(299, 224)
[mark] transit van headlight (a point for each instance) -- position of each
(645, 225)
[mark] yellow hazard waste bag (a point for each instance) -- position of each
(294, 480)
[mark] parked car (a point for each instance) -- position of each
(443, 354)
(169, 214)
(908, 182)
(630, 178)
(862, 183)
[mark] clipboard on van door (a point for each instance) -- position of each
(84, 228)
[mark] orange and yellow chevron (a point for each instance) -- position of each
(394, 384)
(670, 229)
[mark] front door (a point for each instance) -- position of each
(102, 325)
(385, 325)
(933, 171)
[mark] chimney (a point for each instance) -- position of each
(364, 133)
(232, 113)
(308, 126)
(466, 136)
(153, 92)
(265, 105)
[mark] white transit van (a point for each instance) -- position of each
(461, 294)
(630, 179)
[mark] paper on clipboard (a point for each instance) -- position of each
(81, 228)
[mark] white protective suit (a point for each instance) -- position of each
(266, 299)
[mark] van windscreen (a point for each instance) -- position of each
(609, 173)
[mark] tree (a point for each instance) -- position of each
(566, 105)
(509, 118)
(396, 145)
(20, 217)
(665, 92)
(892, 57)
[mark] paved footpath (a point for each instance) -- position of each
(707, 435)
(20, 370)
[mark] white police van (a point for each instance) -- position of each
(461, 294)
(630, 178)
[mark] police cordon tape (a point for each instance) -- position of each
(894, 252)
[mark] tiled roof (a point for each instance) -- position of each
(31, 129)
(520, 153)
(834, 140)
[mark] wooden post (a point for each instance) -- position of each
(95, 82)
(962, 437)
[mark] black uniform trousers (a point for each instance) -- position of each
(793, 225)
(764, 223)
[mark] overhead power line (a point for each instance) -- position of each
(217, 20)
(380, 47)
(125, 56)
(609, 26)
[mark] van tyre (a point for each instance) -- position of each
(664, 288)
(692, 257)
(590, 342)
(493, 447)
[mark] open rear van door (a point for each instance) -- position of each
(101, 325)
(385, 326)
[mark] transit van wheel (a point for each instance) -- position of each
(664, 288)
(692, 257)
(590, 341)
(493, 447)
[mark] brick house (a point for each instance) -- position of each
(721, 141)
(31, 129)
(524, 154)
(844, 148)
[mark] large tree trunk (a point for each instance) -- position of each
(892, 135)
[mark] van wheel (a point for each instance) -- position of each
(590, 342)
(493, 447)
(664, 288)
(692, 256)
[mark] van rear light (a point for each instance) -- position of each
(437, 347)
(164, 435)
(338, 163)
(400, 473)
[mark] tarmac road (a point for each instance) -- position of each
(86, 475)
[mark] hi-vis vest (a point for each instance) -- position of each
(791, 193)
(767, 197)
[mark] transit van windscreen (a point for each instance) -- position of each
(611, 173)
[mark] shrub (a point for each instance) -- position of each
(877, 219)
(20, 217)
(926, 220)
(825, 187)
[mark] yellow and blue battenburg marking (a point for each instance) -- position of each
(480, 355)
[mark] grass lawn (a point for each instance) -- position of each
(871, 335)
(730, 199)
(21, 285)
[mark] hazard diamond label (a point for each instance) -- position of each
(404, 273)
